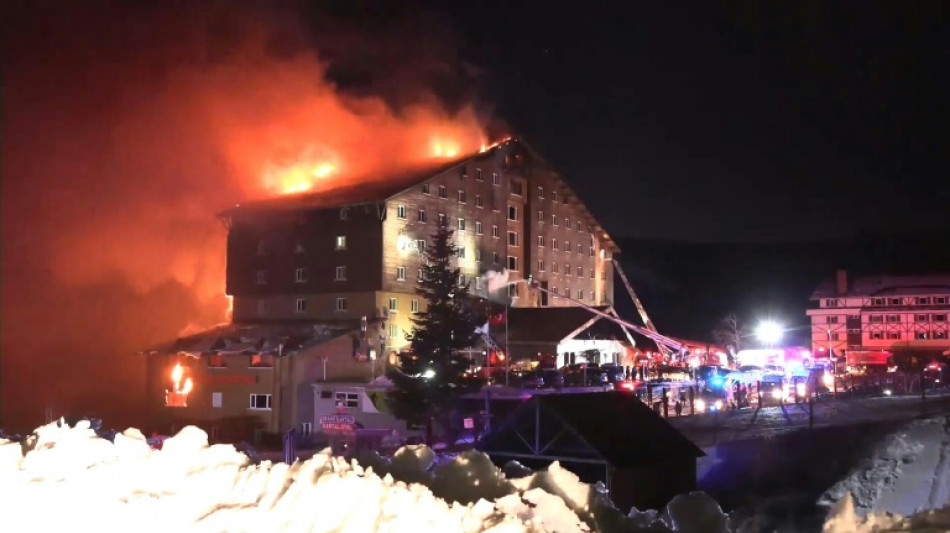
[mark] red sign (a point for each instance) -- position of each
(338, 423)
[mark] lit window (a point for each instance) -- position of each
(443, 192)
(393, 305)
(349, 400)
(393, 331)
(541, 241)
(478, 227)
(261, 277)
(300, 275)
(260, 402)
(216, 360)
(425, 188)
(512, 238)
(554, 220)
(340, 274)
(494, 231)
(414, 306)
(554, 244)
(421, 216)
(478, 201)
(461, 224)
(301, 305)
(461, 252)
(262, 360)
(341, 304)
(400, 273)
(343, 214)
(341, 242)
(512, 212)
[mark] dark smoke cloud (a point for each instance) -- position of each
(125, 129)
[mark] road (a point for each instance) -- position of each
(713, 428)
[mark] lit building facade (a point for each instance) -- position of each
(900, 314)
(357, 251)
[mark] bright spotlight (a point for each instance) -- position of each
(428, 374)
(769, 332)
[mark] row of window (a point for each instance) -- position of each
(882, 302)
(897, 335)
(919, 317)
(579, 294)
(567, 269)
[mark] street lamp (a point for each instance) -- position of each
(769, 332)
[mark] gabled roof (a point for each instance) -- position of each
(275, 338)
(545, 325)
(613, 426)
(886, 286)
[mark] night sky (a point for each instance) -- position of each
(709, 124)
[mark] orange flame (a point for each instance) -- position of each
(177, 373)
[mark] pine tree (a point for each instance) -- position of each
(429, 388)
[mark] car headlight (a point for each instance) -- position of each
(777, 393)
(828, 380)
(718, 404)
(800, 389)
(700, 405)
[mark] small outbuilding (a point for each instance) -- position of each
(610, 437)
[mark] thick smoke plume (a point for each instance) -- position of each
(124, 132)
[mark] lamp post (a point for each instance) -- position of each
(769, 332)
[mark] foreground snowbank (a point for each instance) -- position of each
(69, 479)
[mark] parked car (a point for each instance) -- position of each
(615, 374)
(552, 378)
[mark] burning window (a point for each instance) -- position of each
(260, 402)
(216, 360)
(177, 396)
(262, 360)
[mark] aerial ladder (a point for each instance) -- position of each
(647, 323)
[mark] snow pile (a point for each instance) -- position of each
(69, 479)
(844, 519)
(908, 473)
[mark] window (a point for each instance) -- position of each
(462, 280)
(939, 318)
(494, 231)
(306, 428)
(494, 257)
(347, 399)
(478, 227)
(923, 301)
(461, 252)
(893, 335)
(941, 335)
(567, 223)
(441, 219)
(340, 274)
(512, 263)
(920, 318)
(896, 301)
(878, 301)
(393, 305)
(478, 201)
(478, 254)
(298, 247)
(495, 180)
(463, 173)
(554, 220)
(512, 291)
(420, 275)
(443, 192)
(831, 319)
(580, 271)
(260, 402)
(591, 272)
(401, 212)
(554, 244)
(343, 214)
(554, 195)
(580, 294)
(341, 242)
(540, 216)
(512, 212)
(461, 196)
(940, 300)
(425, 188)
(554, 290)
(261, 307)
(836, 336)
(921, 335)
(541, 192)
(414, 306)
(421, 216)
(590, 251)
(301, 305)
(262, 360)
(512, 238)
(893, 318)
(567, 292)
(875, 319)
(591, 295)
(341, 304)
(564, 200)
(216, 360)
(421, 245)
(876, 335)
(567, 269)
(216, 400)
(541, 241)
(393, 331)
(461, 224)
(540, 265)
(517, 188)
(400, 273)
(580, 248)
(554, 267)
(478, 174)
(261, 277)
(578, 226)
(300, 275)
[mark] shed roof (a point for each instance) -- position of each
(615, 426)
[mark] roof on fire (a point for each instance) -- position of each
(283, 338)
